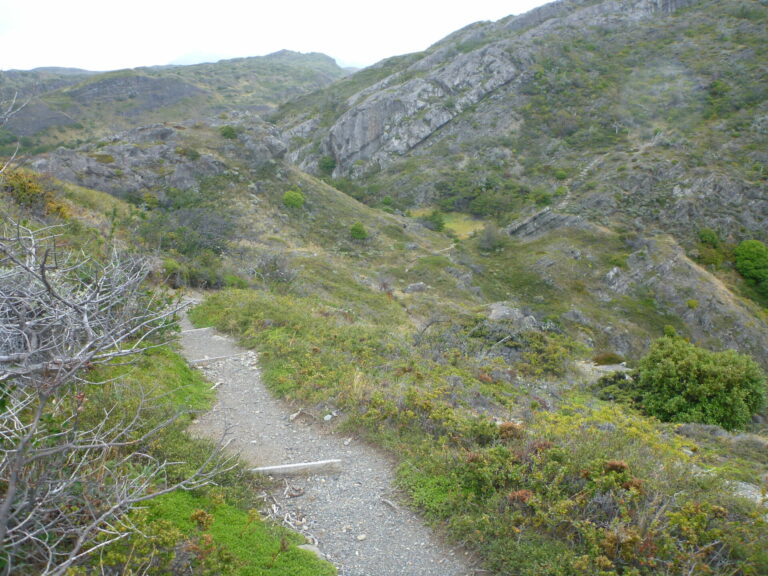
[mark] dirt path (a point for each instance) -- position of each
(353, 515)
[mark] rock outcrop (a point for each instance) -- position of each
(400, 112)
(713, 316)
(157, 157)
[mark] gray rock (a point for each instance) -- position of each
(544, 221)
(403, 110)
(503, 311)
(153, 158)
(311, 548)
(416, 287)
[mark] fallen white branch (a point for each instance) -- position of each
(319, 467)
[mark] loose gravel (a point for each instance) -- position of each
(354, 517)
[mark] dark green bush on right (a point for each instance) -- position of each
(752, 263)
(680, 382)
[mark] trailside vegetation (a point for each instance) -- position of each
(588, 487)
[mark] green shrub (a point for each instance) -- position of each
(617, 387)
(234, 281)
(607, 358)
(189, 153)
(326, 165)
(680, 382)
(228, 132)
(358, 232)
(434, 221)
(752, 263)
(293, 199)
(709, 237)
(491, 238)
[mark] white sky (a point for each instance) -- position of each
(109, 35)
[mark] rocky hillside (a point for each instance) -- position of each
(633, 108)
(644, 118)
(599, 137)
(67, 106)
(447, 250)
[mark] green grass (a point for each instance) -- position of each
(461, 225)
(245, 544)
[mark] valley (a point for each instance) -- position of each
(528, 265)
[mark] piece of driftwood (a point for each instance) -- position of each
(196, 329)
(321, 466)
(215, 359)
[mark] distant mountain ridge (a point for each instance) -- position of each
(88, 103)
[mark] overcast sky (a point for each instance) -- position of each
(109, 35)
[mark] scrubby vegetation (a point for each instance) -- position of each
(585, 488)
(102, 440)
(752, 263)
(213, 529)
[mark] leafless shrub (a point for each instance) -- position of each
(67, 482)
(274, 267)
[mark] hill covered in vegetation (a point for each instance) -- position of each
(529, 262)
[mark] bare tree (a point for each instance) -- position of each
(66, 482)
(7, 111)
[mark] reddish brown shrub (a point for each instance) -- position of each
(519, 496)
(509, 430)
(616, 466)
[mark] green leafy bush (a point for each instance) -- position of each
(326, 165)
(680, 382)
(358, 232)
(228, 132)
(752, 263)
(293, 199)
(434, 221)
(709, 237)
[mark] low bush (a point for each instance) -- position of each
(229, 132)
(752, 263)
(607, 358)
(589, 489)
(210, 530)
(358, 232)
(680, 382)
(293, 199)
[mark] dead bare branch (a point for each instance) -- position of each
(67, 483)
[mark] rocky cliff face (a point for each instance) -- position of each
(143, 160)
(710, 312)
(397, 114)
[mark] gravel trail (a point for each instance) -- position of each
(353, 514)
